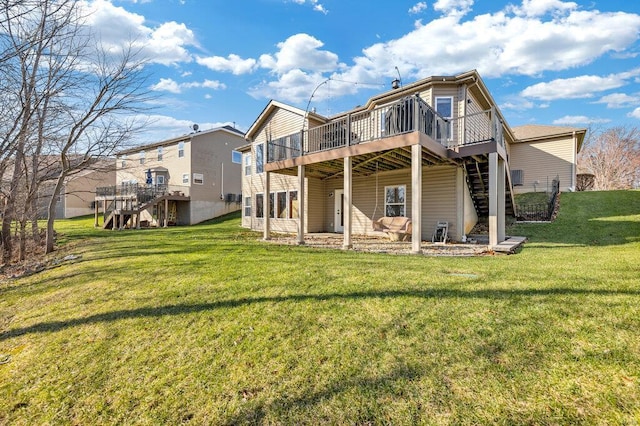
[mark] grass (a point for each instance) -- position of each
(209, 325)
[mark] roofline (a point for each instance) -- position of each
(580, 132)
(273, 104)
(183, 138)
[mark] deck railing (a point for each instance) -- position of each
(407, 115)
(142, 193)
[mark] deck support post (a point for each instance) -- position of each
(95, 212)
(416, 198)
(348, 184)
(496, 199)
(165, 213)
(267, 206)
(301, 205)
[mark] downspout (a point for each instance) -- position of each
(222, 181)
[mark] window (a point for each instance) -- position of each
(159, 153)
(180, 149)
(236, 157)
(293, 205)
(259, 205)
(198, 178)
(159, 180)
(444, 107)
(271, 205)
(185, 178)
(281, 198)
(247, 164)
(141, 157)
(394, 200)
(247, 206)
(124, 161)
(260, 158)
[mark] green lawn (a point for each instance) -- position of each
(209, 325)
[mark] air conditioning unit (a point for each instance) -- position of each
(517, 177)
(230, 198)
(238, 198)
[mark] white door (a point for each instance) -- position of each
(338, 220)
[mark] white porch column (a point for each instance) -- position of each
(502, 194)
(301, 205)
(496, 199)
(348, 184)
(267, 206)
(166, 212)
(416, 198)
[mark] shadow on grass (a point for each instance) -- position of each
(170, 310)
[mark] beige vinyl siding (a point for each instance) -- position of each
(542, 161)
(315, 205)
(440, 199)
(280, 123)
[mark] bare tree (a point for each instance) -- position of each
(65, 96)
(613, 157)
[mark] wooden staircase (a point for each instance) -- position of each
(477, 175)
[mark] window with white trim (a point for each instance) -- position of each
(124, 161)
(259, 205)
(141, 157)
(272, 210)
(247, 206)
(281, 203)
(159, 153)
(180, 149)
(395, 200)
(247, 164)
(293, 205)
(260, 158)
(444, 107)
(160, 180)
(198, 178)
(185, 178)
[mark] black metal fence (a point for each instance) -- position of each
(540, 212)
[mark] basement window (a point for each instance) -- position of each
(198, 178)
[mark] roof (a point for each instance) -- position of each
(183, 138)
(273, 105)
(537, 132)
(476, 85)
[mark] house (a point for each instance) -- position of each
(437, 151)
(541, 154)
(77, 197)
(179, 181)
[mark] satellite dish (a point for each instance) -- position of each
(195, 127)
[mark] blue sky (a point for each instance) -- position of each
(218, 62)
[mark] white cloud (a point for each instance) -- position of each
(534, 8)
(577, 87)
(635, 113)
(169, 85)
(453, 7)
(574, 120)
(166, 85)
(504, 42)
(162, 127)
(300, 51)
(619, 100)
(317, 6)
(116, 27)
(418, 7)
(232, 63)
